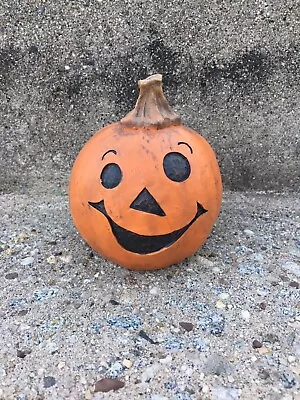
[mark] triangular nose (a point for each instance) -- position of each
(146, 202)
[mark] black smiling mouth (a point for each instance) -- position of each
(141, 244)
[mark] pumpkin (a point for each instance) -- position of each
(146, 191)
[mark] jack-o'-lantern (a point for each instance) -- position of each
(145, 192)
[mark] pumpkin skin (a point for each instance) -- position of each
(145, 195)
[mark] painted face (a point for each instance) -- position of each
(145, 198)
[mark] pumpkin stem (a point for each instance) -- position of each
(152, 108)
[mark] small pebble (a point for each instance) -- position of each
(170, 385)
(107, 384)
(205, 389)
(44, 293)
(220, 304)
(51, 260)
(114, 302)
(292, 267)
(149, 373)
(288, 380)
(154, 291)
(95, 327)
(202, 261)
(144, 335)
(224, 296)
(166, 360)
(88, 395)
(270, 338)
(248, 232)
(224, 393)
(11, 275)
(22, 353)
(52, 347)
(49, 381)
(173, 343)
(27, 261)
(257, 257)
(66, 259)
(288, 397)
(291, 359)
(264, 374)
(212, 322)
(296, 371)
(23, 312)
(53, 242)
(199, 344)
(126, 322)
(264, 350)
(245, 315)
(187, 326)
(23, 236)
(262, 305)
(294, 284)
(127, 363)
(217, 365)
(115, 370)
(41, 9)
(250, 268)
(256, 344)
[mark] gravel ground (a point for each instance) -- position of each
(223, 325)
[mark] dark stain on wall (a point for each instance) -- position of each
(8, 59)
(163, 59)
(243, 72)
(121, 76)
(241, 75)
(123, 72)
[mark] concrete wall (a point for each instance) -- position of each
(231, 70)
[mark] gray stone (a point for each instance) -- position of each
(292, 268)
(49, 381)
(224, 393)
(27, 261)
(126, 321)
(216, 365)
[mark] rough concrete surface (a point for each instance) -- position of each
(231, 70)
(223, 325)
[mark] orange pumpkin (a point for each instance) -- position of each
(145, 192)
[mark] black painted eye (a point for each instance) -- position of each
(111, 176)
(176, 167)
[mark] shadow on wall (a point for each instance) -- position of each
(243, 74)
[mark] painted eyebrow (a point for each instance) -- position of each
(108, 151)
(191, 150)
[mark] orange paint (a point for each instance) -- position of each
(134, 199)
